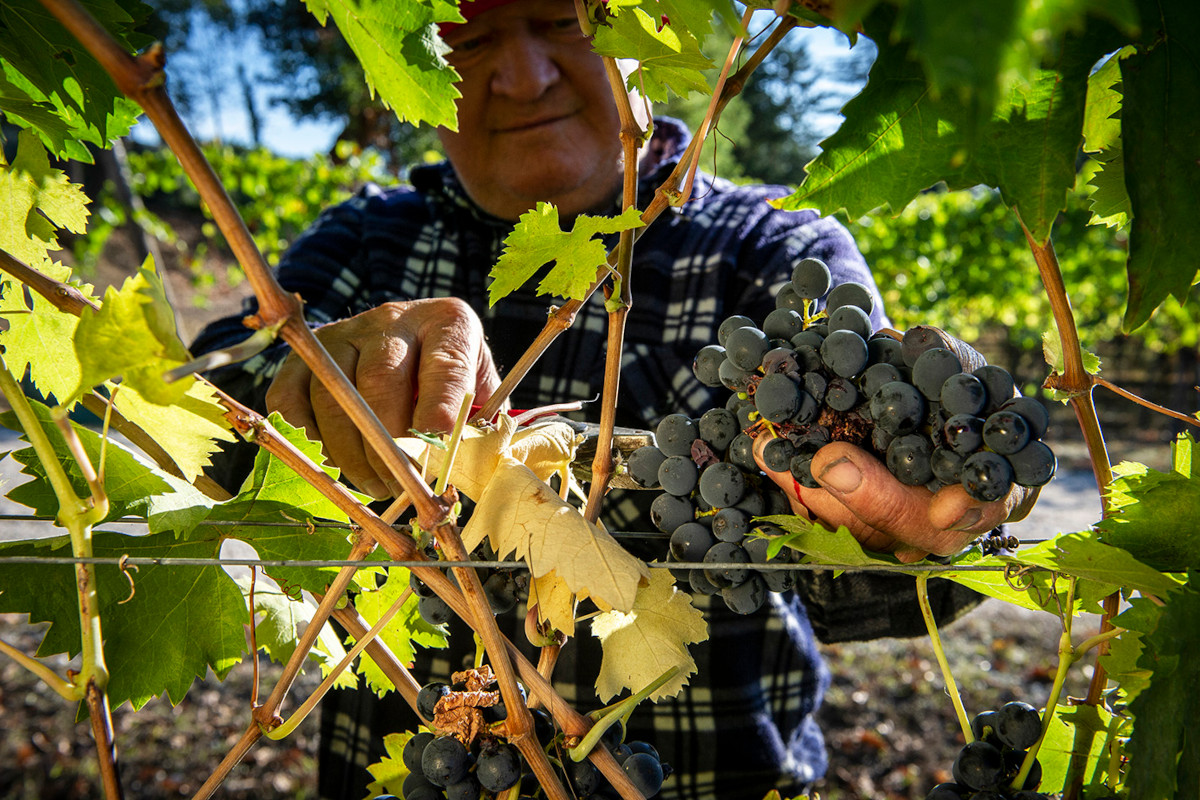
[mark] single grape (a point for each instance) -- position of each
(583, 776)
(880, 439)
(782, 323)
(643, 465)
(946, 465)
(718, 427)
(777, 398)
(731, 324)
(850, 294)
(498, 767)
(746, 597)
(963, 393)
(841, 395)
(1033, 412)
(466, 789)
(418, 586)
(875, 376)
(851, 318)
(883, 349)
(963, 434)
(1005, 432)
(745, 347)
(730, 524)
(675, 434)
(948, 791)
(733, 377)
(777, 454)
(707, 365)
(917, 340)
(807, 338)
(417, 787)
(415, 746)
(780, 360)
(898, 408)
(444, 761)
(434, 610)
(932, 368)
(844, 353)
(722, 485)
(808, 357)
(726, 553)
(815, 384)
(699, 583)
(1018, 725)
(979, 766)
(983, 727)
(999, 383)
(787, 298)
(668, 512)
(501, 591)
(690, 541)
(678, 475)
(986, 476)
(809, 410)
(811, 279)
(741, 452)
(645, 772)
(908, 459)
(1033, 465)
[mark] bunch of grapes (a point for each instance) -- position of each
(985, 768)
(442, 767)
(934, 413)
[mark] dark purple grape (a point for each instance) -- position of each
(415, 746)
(1033, 465)
(745, 347)
(963, 434)
(731, 324)
(498, 767)
(707, 364)
(781, 360)
(466, 789)
(1005, 432)
(979, 766)
(999, 383)
(500, 588)
(807, 338)
(811, 279)
(678, 475)
(726, 553)
(815, 384)
(850, 293)
(783, 323)
(434, 610)
(643, 465)
(851, 318)
(841, 395)
(690, 541)
(583, 776)
(787, 298)
(963, 393)
(844, 353)
(777, 454)
(722, 485)
(986, 476)
(917, 340)
(800, 467)
(946, 465)
(718, 427)
(699, 583)
(668, 512)
(746, 597)
(733, 377)
(1033, 412)
(777, 398)
(932, 368)
(730, 524)
(1018, 725)
(875, 376)
(898, 408)
(645, 772)
(444, 761)
(675, 434)
(883, 349)
(908, 459)
(948, 791)
(983, 727)
(741, 452)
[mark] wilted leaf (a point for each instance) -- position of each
(651, 638)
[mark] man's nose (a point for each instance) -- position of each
(525, 69)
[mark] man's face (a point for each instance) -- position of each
(537, 119)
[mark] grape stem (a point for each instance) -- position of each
(617, 711)
(940, 652)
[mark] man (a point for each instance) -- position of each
(396, 280)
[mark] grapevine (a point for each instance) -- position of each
(811, 371)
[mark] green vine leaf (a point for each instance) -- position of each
(1155, 516)
(405, 630)
(389, 772)
(900, 138)
(1076, 740)
(669, 54)
(1162, 749)
(39, 335)
(190, 431)
(538, 240)
(174, 625)
(1087, 558)
(1141, 617)
(133, 335)
(404, 59)
(278, 631)
(35, 200)
(50, 84)
(1160, 134)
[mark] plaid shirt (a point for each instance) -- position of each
(744, 725)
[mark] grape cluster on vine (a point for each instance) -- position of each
(466, 756)
(808, 379)
(986, 768)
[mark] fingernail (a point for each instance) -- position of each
(969, 519)
(841, 476)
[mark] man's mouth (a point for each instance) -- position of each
(532, 123)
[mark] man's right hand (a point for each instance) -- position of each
(413, 362)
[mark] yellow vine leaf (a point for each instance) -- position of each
(644, 643)
(522, 515)
(555, 601)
